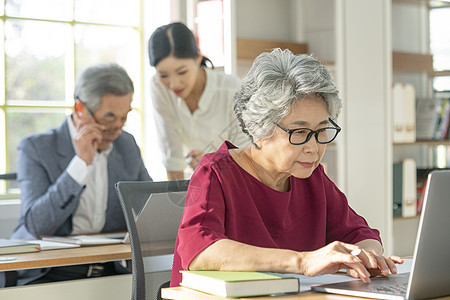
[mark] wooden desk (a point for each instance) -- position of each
(181, 293)
(81, 255)
(109, 287)
(64, 257)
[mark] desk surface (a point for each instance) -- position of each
(81, 255)
(182, 293)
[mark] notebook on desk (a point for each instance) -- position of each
(430, 272)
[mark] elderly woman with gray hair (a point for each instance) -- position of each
(270, 206)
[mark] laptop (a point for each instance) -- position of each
(430, 272)
(160, 203)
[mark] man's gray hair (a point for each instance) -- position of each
(274, 83)
(99, 80)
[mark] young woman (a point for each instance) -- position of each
(193, 104)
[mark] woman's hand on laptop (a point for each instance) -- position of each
(372, 258)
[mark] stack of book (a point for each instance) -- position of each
(240, 284)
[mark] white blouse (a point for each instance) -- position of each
(180, 131)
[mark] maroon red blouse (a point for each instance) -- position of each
(225, 202)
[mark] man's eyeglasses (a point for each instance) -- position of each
(106, 122)
(301, 136)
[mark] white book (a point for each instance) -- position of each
(409, 106)
(409, 200)
(399, 113)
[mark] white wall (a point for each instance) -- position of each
(265, 19)
(364, 65)
(320, 33)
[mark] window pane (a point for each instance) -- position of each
(210, 30)
(439, 38)
(133, 126)
(41, 9)
(20, 124)
(108, 11)
(441, 83)
(98, 44)
(35, 60)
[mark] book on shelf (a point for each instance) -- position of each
(87, 240)
(427, 111)
(403, 96)
(17, 246)
(405, 188)
(440, 132)
(433, 118)
(422, 181)
(240, 284)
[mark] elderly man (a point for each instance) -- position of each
(67, 174)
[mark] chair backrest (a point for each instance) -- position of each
(8, 183)
(8, 176)
(152, 213)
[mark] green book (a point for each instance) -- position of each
(240, 284)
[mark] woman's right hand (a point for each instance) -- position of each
(330, 259)
(193, 158)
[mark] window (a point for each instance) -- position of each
(440, 46)
(46, 43)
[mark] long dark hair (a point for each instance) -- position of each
(174, 39)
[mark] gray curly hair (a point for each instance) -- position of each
(274, 83)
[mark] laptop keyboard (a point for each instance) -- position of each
(397, 289)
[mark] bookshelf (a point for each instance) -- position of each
(412, 63)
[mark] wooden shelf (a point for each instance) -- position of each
(429, 143)
(441, 73)
(249, 49)
(406, 218)
(412, 62)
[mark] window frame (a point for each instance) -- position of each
(67, 102)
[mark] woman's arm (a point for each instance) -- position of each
(230, 255)
(175, 175)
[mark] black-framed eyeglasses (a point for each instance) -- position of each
(108, 122)
(301, 136)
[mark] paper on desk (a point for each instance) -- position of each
(48, 245)
(83, 240)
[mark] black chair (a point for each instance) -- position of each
(8, 176)
(151, 272)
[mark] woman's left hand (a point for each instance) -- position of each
(193, 158)
(376, 264)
